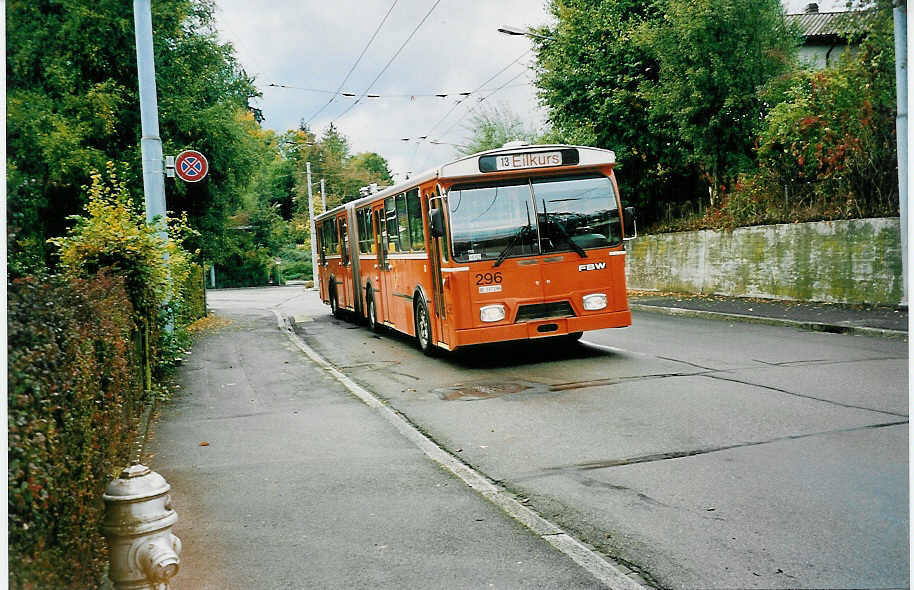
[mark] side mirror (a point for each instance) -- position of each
(628, 220)
(436, 223)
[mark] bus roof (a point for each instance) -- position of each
(511, 156)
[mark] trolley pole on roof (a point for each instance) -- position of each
(314, 260)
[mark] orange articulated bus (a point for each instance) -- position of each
(521, 242)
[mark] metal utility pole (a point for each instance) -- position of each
(901, 133)
(323, 196)
(314, 260)
(150, 143)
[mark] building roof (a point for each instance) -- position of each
(830, 26)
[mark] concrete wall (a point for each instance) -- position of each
(854, 261)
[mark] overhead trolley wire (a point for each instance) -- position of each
(459, 102)
(471, 109)
(352, 69)
(353, 94)
(384, 69)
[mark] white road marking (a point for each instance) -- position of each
(607, 573)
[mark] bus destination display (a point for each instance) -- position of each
(526, 160)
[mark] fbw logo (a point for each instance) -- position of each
(592, 266)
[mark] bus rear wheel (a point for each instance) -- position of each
(335, 305)
(373, 314)
(424, 329)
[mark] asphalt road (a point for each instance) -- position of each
(703, 453)
(282, 478)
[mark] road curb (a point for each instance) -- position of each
(607, 572)
(800, 325)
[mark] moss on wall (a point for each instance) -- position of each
(853, 261)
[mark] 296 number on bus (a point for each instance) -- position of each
(489, 278)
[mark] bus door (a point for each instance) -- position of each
(388, 281)
(321, 263)
(378, 276)
(344, 281)
(437, 248)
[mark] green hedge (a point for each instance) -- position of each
(193, 304)
(74, 401)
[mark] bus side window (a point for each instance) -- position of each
(443, 240)
(381, 237)
(344, 241)
(393, 231)
(321, 243)
(366, 238)
(416, 232)
(403, 222)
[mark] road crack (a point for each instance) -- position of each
(719, 377)
(665, 456)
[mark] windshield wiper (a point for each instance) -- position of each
(574, 245)
(504, 253)
(557, 225)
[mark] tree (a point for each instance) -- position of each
(714, 57)
(72, 106)
(493, 128)
(832, 134)
(372, 163)
(344, 174)
(594, 72)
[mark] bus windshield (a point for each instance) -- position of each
(533, 216)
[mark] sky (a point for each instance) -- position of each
(300, 51)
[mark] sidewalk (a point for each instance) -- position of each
(888, 322)
(282, 478)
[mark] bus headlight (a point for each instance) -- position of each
(594, 301)
(492, 313)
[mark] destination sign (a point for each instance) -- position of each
(538, 160)
(526, 160)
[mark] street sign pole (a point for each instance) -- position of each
(313, 235)
(901, 133)
(150, 143)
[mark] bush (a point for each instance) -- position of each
(246, 269)
(297, 271)
(827, 149)
(832, 139)
(74, 401)
(83, 348)
(114, 236)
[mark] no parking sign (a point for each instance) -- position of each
(191, 166)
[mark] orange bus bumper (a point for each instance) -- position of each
(543, 328)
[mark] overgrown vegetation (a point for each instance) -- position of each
(713, 121)
(74, 401)
(99, 304)
(87, 348)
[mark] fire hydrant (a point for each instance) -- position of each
(144, 554)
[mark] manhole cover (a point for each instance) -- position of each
(474, 391)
